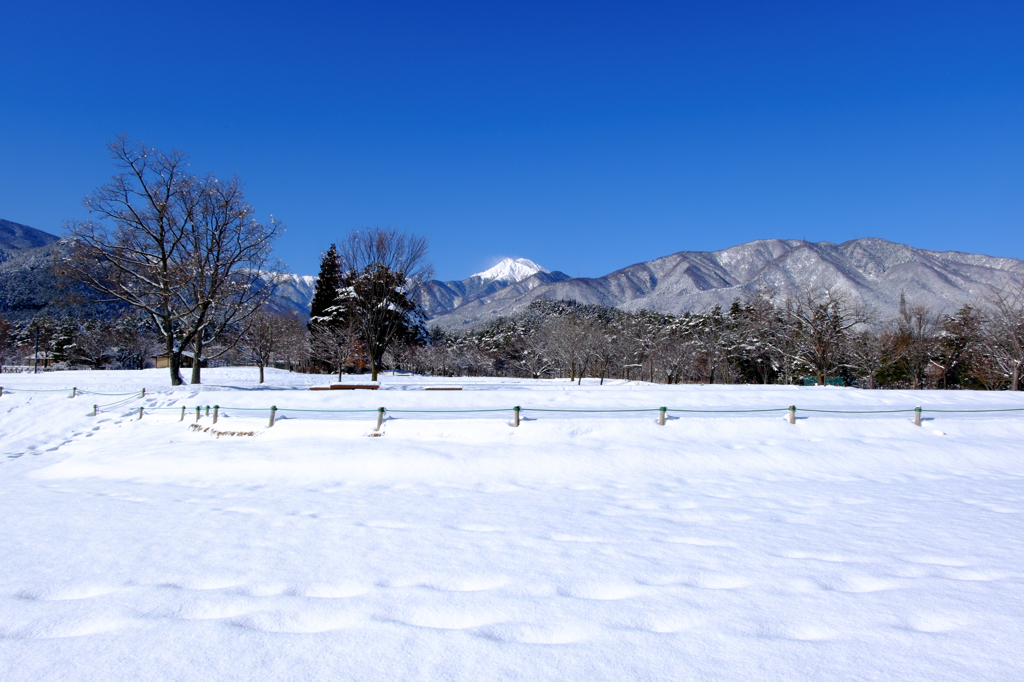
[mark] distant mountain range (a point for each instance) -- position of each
(509, 277)
(874, 271)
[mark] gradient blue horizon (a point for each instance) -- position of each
(585, 137)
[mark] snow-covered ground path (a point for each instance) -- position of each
(456, 547)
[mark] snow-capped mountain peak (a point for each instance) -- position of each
(511, 270)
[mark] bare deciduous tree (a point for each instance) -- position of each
(865, 353)
(5, 331)
(1004, 335)
(567, 339)
(822, 318)
(268, 334)
(337, 344)
(185, 251)
(916, 339)
(232, 273)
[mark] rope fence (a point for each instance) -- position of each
(73, 391)
(516, 411)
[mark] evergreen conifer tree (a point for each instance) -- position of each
(325, 294)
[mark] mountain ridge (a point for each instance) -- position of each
(874, 271)
(439, 298)
(15, 236)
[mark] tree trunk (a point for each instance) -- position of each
(197, 353)
(373, 369)
(173, 361)
(261, 374)
(1016, 377)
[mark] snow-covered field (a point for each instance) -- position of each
(456, 547)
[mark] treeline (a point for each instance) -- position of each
(821, 336)
(818, 337)
(125, 339)
(124, 342)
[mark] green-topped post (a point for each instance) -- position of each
(661, 416)
(515, 416)
(792, 414)
(917, 416)
(216, 411)
(273, 411)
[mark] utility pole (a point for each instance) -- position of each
(35, 356)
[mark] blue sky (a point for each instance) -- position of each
(584, 136)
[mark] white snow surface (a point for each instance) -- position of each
(511, 270)
(457, 547)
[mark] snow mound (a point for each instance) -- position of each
(510, 270)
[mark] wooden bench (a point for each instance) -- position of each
(346, 387)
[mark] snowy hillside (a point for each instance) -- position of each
(27, 285)
(873, 270)
(455, 546)
(294, 294)
(17, 236)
